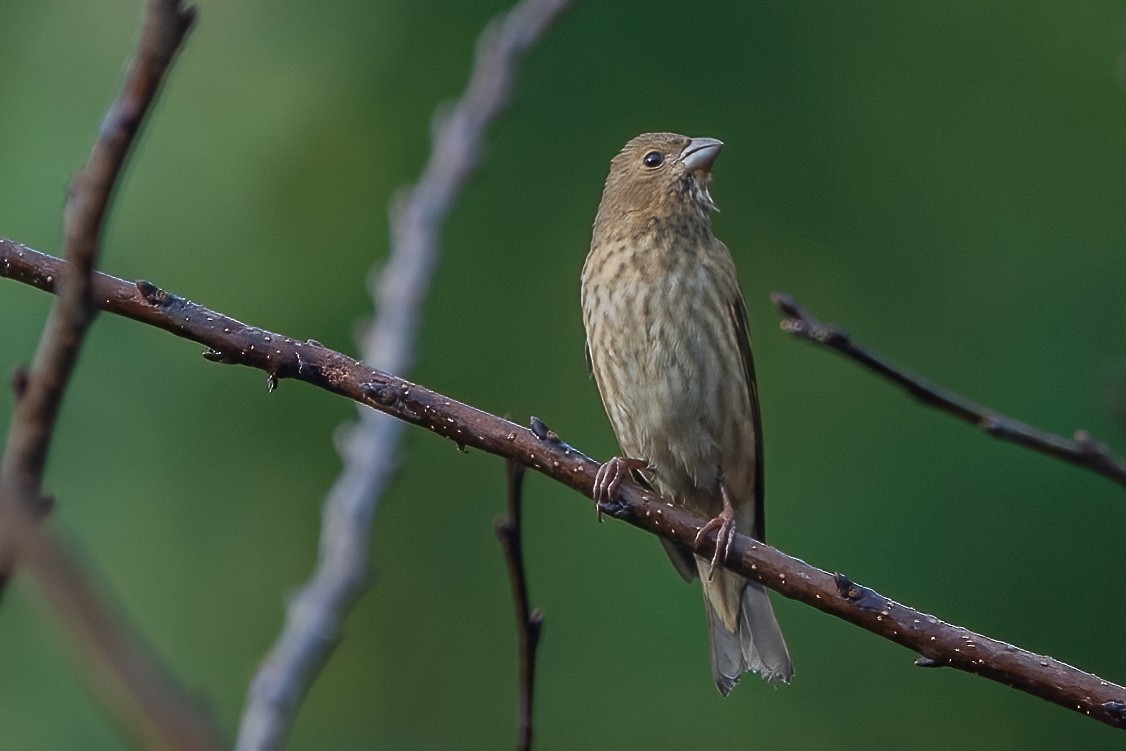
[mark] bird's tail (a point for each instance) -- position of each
(744, 632)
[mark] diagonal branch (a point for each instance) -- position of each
(1083, 450)
(144, 696)
(369, 450)
(937, 642)
(40, 388)
(122, 671)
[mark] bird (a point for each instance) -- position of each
(668, 345)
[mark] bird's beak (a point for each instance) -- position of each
(700, 154)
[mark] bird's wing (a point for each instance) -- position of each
(738, 310)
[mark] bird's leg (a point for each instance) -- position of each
(724, 524)
(608, 479)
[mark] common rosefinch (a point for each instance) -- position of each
(667, 342)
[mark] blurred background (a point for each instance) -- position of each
(947, 181)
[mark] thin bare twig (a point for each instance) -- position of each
(369, 449)
(229, 341)
(121, 670)
(1083, 450)
(146, 698)
(41, 387)
(529, 623)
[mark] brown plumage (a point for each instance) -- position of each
(667, 343)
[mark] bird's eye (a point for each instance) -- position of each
(654, 159)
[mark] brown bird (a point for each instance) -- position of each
(667, 343)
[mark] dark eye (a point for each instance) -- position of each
(654, 159)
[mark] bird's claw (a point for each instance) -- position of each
(608, 479)
(724, 527)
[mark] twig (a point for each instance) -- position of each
(229, 341)
(529, 623)
(42, 385)
(148, 701)
(1083, 450)
(369, 450)
(121, 671)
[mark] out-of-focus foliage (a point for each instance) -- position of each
(946, 180)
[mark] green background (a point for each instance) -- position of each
(945, 180)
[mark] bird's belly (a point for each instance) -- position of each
(674, 389)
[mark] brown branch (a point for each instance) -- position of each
(529, 623)
(142, 694)
(1083, 450)
(937, 642)
(121, 670)
(41, 387)
(369, 452)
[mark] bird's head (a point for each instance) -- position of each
(661, 173)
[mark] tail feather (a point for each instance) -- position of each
(764, 648)
(744, 632)
(728, 663)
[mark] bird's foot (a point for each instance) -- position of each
(724, 526)
(608, 479)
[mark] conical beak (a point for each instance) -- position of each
(700, 154)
